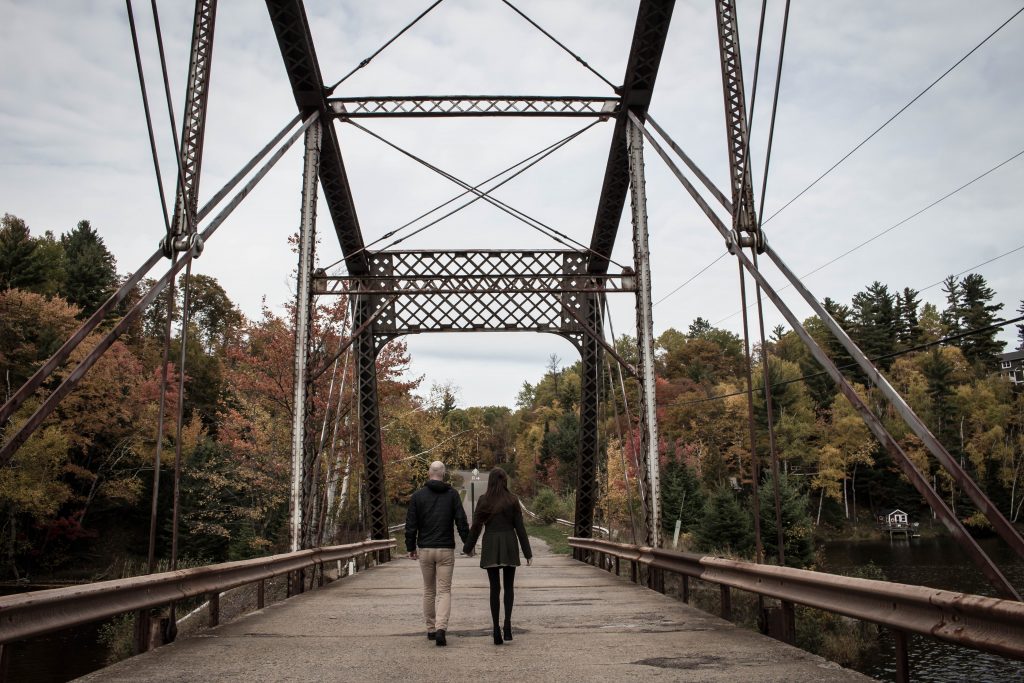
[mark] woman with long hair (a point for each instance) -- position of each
(499, 516)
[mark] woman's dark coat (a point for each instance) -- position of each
(501, 529)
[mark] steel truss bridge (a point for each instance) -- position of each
(395, 293)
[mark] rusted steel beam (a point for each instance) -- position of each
(972, 621)
(32, 614)
(62, 354)
(873, 422)
(652, 21)
(300, 61)
(9, 448)
(472, 105)
(999, 522)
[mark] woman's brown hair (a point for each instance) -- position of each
(497, 497)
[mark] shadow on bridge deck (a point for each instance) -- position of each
(573, 622)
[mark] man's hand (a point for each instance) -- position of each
(529, 561)
(414, 555)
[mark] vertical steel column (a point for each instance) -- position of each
(645, 331)
(193, 123)
(735, 116)
(303, 317)
(589, 451)
(369, 416)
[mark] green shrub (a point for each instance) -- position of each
(547, 505)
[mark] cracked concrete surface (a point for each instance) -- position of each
(572, 622)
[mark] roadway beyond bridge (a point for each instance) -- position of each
(573, 622)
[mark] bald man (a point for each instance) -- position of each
(433, 512)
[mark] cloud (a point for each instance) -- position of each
(73, 143)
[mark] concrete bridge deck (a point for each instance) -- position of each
(573, 622)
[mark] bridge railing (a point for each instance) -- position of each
(972, 621)
(40, 612)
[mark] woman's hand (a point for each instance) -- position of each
(529, 561)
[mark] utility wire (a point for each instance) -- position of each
(915, 214)
(561, 45)
(905, 220)
(894, 354)
(330, 90)
(894, 116)
(983, 263)
(693, 277)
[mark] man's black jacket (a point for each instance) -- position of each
(433, 510)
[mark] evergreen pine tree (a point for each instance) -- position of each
(681, 497)
(20, 267)
(874, 320)
(796, 523)
(952, 315)
(909, 333)
(938, 372)
(842, 315)
(978, 312)
(1020, 329)
(726, 525)
(90, 269)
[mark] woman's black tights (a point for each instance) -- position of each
(509, 578)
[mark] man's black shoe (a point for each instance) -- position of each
(439, 637)
(431, 635)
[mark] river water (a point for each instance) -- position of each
(937, 563)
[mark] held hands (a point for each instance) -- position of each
(529, 561)
(414, 555)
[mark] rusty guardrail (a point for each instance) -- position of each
(972, 621)
(39, 612)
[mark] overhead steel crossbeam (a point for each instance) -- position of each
(472, 105)
(426, 284)
(468, 310)
(652, 22)
(296, 42)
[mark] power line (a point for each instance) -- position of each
(894, 116)
(983, 263)
(561, 45)
(915, 214)
(692, 278)
(894, 354)
(906, 220)
(395, 37)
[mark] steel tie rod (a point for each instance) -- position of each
(8, 450)
(917, 479)
(61, 355)
(994, 515)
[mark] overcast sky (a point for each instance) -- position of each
(73, 144)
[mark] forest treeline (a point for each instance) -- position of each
(75, 501)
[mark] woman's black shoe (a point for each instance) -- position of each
(431, 635)
(508, 630)
(439, 637)
(497, 636)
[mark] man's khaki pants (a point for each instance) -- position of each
(437, 565)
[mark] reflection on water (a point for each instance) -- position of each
(938, 563)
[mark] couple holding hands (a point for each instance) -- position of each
(434, 511)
